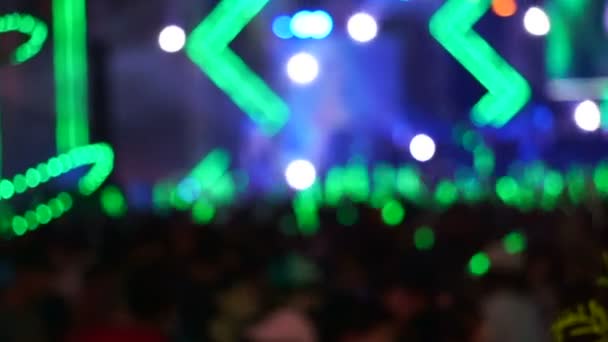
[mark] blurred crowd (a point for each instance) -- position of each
(252, 276)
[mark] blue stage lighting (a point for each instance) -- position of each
(281, 27)
(315, 25)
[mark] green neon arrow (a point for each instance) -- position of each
(208, 48)
(508, 91)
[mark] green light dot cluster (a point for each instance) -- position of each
(100, 155)
(42, 214)
(29, 25)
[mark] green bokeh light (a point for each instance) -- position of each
(446, 193)
(507, 189)
(20, 184)
(575, 180)
(347, 214)
(600, 178)
(203, 212)
(479, 264)
(7, 189)
(113, 202)
(44, 214)
(305, 206)
(424, 238)
(514, 243)
(409, 183)
(393, 213)
(554, 184)
(19, 225)
(32, 178)
(483, 160)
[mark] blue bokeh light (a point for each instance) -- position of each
(281, 26)
(311, 24)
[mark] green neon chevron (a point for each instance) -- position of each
(210, 177)
(207, 47)
(508, 91)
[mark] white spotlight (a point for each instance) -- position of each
(537, 22)
(172, 39)
(587, 116)
(422, 148)
(302, 68)
(300, 174)
(362, 27)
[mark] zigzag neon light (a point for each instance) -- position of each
(508, 91)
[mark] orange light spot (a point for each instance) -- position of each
(504, 8)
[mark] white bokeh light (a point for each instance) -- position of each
(303, 68)
(587, 116)
(537, 22)
(422, 148)
(300, 174)
(362, 27)
(172, 39)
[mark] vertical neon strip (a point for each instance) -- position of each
(559, 50)
(71, 80)
(1, 145)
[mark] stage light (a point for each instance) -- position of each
(362, 27)
(422, 148)
(303, 68)
(172, 39)
(504, 8)
(587, 116)
(537, 22)
(281, 27)
(307, 24)
(300, 174)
